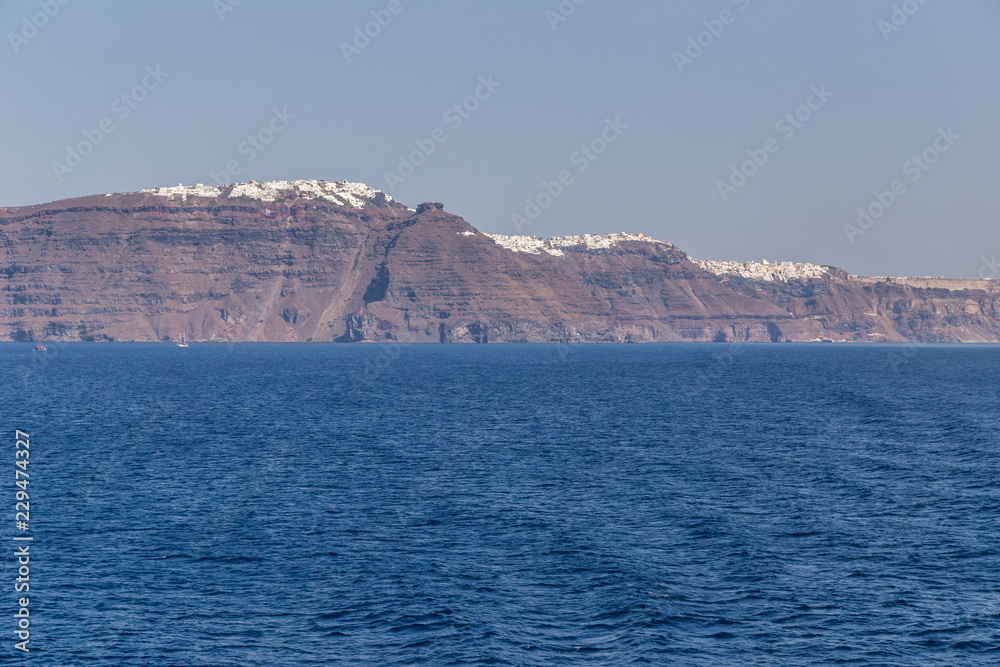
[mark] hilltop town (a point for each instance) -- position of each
(555, 246)
(344, 193)
(764, 271)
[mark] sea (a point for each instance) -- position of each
(677, 504)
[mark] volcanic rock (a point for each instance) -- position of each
(318, 261)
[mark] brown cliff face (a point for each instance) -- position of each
(143, 267)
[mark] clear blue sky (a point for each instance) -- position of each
(892, 90)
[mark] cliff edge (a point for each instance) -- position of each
(324, 261)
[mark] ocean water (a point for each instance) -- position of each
(300, 505)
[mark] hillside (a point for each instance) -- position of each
(317, 261)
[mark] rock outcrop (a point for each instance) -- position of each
(318, 261)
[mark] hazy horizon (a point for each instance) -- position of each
(644, 110)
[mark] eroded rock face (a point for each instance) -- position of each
(311, 260)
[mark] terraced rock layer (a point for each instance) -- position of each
(150, 267)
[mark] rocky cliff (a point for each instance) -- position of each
(318, 261)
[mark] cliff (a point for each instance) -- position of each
(317, 261)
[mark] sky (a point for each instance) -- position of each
(861, 134)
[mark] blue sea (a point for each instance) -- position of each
(293, 505)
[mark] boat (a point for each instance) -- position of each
(40, 347)
(182, 343)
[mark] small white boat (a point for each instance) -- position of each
(182, 343)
